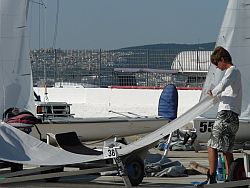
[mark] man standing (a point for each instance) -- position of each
(227, 121)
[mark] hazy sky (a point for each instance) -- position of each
(112, 24)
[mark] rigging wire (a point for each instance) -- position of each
(55, 37)
(56, 24)
(42, 3)
(39, 3)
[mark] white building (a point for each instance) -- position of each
(192, 67)
(192, 61)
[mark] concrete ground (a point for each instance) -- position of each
(115, 181)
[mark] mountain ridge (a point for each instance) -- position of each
(200, 46)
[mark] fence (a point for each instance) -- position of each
(126, 67)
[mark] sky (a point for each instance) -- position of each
(114, 24)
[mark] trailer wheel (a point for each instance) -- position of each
(134, 166)
(56, 179)
(237, 170)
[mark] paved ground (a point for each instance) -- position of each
(114, 181)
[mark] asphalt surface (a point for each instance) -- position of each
(94, 181)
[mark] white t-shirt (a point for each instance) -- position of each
(229, 91)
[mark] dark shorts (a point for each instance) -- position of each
(224, 130)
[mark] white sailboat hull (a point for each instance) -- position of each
(89, 129)
(204, 127)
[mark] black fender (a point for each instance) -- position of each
(237, 170)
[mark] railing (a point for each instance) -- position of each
(127, 67)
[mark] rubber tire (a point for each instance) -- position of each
(134, 167)
(52, 171)
(237, 170)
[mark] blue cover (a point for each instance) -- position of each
(168, 102)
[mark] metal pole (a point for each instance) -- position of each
(197, 66)
(100, 67)
(147, 67)
(55, 69)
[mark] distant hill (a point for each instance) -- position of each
(202, 46)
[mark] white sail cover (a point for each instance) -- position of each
(16, 88)
(160, 133)
(19, 147)
(235, 37)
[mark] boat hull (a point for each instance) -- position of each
(204, 127)
(90, 129)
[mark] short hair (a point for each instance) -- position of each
(218, 53)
